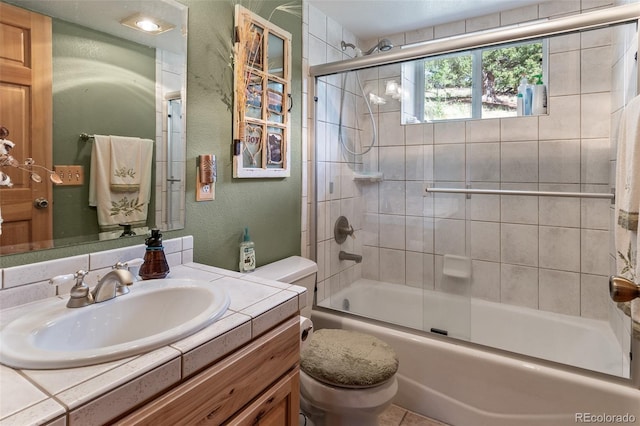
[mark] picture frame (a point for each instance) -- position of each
(261, 125)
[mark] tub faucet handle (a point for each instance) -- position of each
(342, 229)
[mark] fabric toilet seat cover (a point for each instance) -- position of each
(348, 359)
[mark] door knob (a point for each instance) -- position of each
(41, 203)
(622, 289)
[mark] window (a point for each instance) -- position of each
(481, 83)
(262, 85)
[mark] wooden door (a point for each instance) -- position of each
(26, 111)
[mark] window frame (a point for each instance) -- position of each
(476, 78)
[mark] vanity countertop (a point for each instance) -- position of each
(96, 394)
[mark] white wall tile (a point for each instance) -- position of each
(563, 121)
(485, 207)
(594, 296)
(559, 292)
(519, 162)
(564, 43)
(595, 117)
(449, 132)
(594, 252)
(317, 24)
(595, 75)
(483, 162)
(595, 213)
(557, 8)
(483, 22)
(559, 248)
(519, 209)
(415, 199)
(414, 271)
(392, 231)
(414, 162)
(564, 73)
(392, 266)
(414, 234)
(595, 165)
(485, 130)
(519, 285)
(392, 197)
(519, 244)
(560, 161)
(521, 14)
(485, 278)
(519, 129)
(392, 162)
(449, 162)
(559, 211)
(485, 240)
(450, 237)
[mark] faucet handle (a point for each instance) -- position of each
(119, 265)
(80, 294)
(61, 279)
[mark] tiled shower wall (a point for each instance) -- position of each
(544, 253)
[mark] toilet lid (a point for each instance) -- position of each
(348, 359)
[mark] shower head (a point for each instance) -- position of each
(383, 45)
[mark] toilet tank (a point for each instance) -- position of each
(293, 270)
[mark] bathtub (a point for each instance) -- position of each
(465, 384)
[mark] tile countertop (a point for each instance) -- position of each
(96, 394)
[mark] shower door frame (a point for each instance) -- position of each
(548, 27)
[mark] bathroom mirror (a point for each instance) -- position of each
(110, 79)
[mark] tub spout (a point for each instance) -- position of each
(343, 255)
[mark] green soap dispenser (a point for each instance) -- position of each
(539, 104)
(247, 253)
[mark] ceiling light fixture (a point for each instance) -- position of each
(147, 24)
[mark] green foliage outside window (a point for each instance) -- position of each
(449, 81)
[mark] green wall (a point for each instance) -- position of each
(101, 85)
(271, 208)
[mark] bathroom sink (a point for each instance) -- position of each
(153, 314)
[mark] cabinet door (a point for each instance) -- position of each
(226, 388)
(277, 406)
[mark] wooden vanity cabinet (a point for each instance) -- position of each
(256, 385)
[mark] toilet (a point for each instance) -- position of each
(346, 377)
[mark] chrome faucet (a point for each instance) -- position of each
(115, 283)
(111, 285)
(343, 255)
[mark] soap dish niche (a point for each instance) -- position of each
(367, 177)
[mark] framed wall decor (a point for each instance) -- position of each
(262, 80)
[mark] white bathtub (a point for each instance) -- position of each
(463, 384)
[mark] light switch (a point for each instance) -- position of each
(70, 175)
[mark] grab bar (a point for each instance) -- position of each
(470, 191)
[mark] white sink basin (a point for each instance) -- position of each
(153, 314)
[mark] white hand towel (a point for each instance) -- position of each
(125, 164)
(114, 208)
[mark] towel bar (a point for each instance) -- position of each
(526, 193)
